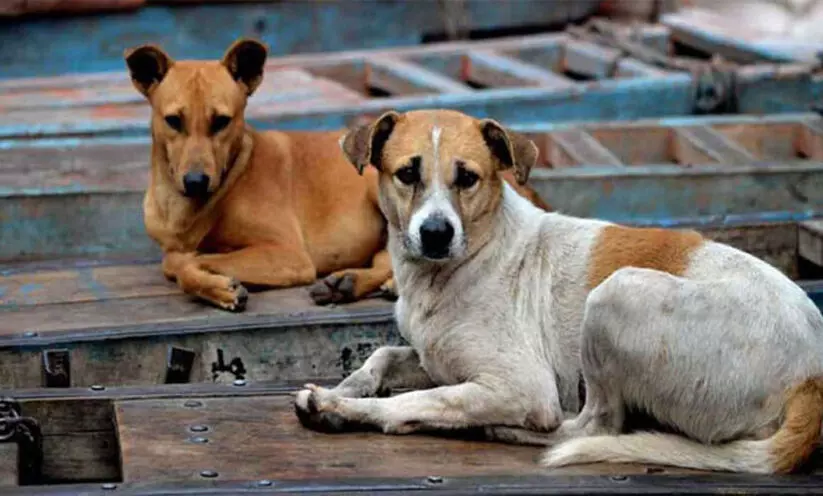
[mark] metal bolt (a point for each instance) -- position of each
(209, 474)
(434, 479)
(199, 440)
(239, 382)
(29, 334)
(97, 387)
(264, 483)
(619, 478)
(199, 428)
(193, 404)
(108, 486)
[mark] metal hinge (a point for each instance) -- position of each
(25, 432)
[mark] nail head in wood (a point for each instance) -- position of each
(199, 428)
(108, 486)
(193, 404)
(97, 387)
(239, 382)
(209, 474)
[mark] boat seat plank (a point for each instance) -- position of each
(257, 438)
(8, 465)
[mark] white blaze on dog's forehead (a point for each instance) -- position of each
(436, 179)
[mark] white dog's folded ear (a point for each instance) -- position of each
(510, 149)
(148, 65)
(363, 145)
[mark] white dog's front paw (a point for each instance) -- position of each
(315, 408)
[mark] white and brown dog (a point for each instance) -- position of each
(505, 306)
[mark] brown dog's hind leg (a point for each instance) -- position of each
(217, 278)
(350, 285)
(271, 266)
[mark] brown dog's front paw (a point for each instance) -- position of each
(232, 298)
(335, 288)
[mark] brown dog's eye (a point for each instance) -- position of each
(219, 123)
(465, 178)
(174, 122)
(410, 174)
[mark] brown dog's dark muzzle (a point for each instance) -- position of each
(196, 185)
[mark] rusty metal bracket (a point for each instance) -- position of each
(25, 431)
(56, 368)
(715, 89)
(179, 363)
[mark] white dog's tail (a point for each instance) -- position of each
(783, 452)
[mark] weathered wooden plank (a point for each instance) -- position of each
(83, 285)
(399, 77)
(809, 142)
(491, 69)
(590, 60)
(810, 241)
(95, 43)
(282, 448)
(576, 147)
(714, 34)
(282, 336)
(8, 465)
(702, 145)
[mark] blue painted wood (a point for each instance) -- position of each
(49, 46)
(95, 209)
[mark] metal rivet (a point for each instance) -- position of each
(199, 428)
(29, 334)
(619, 478)
(264, 483)
(97, 387)
(193, 404)
(108, 486)
(434, 479)
(199, 440)
(210, 474)
(239, 382)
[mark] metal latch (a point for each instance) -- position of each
(25, 431)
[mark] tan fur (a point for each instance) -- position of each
(645, 248)
(799, 433)
(282, 208)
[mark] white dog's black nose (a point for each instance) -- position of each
(195, 184)
(436, 234)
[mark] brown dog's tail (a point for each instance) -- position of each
(783, 452)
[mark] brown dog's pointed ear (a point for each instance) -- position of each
(148, 65)
(363, 145)
(510, 149)
(245, 60)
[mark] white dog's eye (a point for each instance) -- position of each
(410, 174)
(465, 178)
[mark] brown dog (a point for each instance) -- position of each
(229, 205)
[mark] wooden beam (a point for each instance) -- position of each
(9, 472)
(400, 77)
(490, 68)
(575, 147)
(810, 241)
(702, 145)
(809, 140)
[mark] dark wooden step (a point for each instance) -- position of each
(126, 325)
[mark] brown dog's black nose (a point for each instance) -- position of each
(436, 235)
(195, 185)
